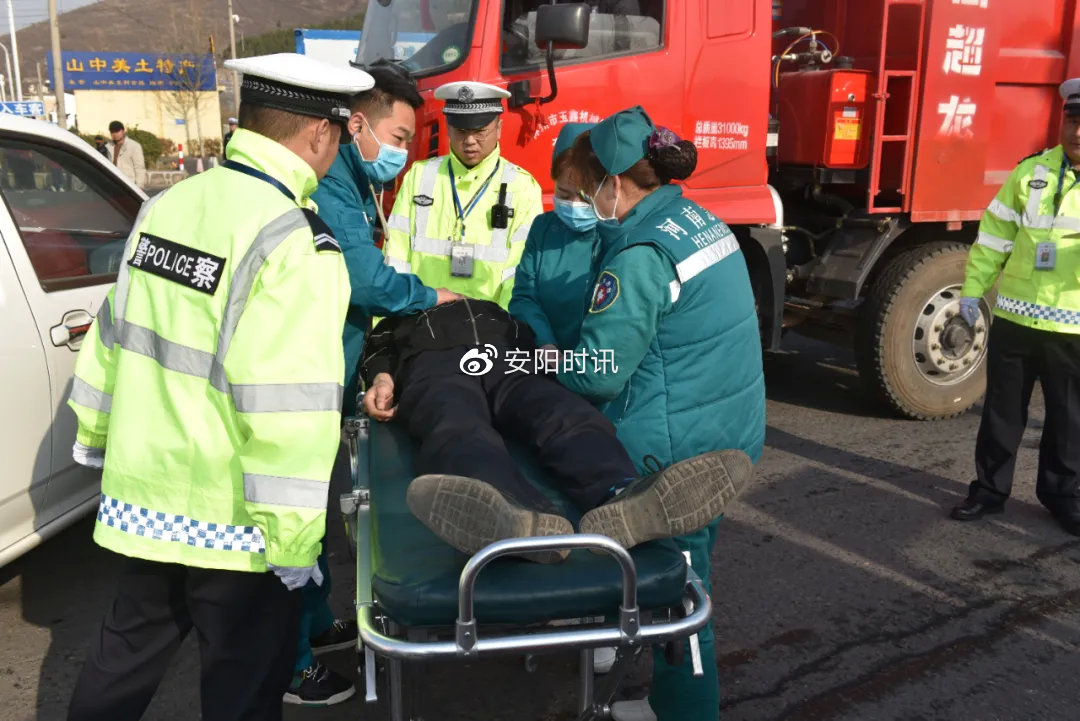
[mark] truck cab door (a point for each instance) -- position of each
(66, 223)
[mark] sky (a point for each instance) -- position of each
(28, 12)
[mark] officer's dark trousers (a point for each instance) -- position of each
(460, 422)
(1016, 358)
(246, 625)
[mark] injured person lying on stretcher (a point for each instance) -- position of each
(458, 391)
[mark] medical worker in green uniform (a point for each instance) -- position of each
(671, 338)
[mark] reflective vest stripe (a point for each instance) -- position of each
(172, 356)
(676, 288)
(266, 242)
(706, 257)
(1037, 311)
(427, 187)
(1035, 196)
(173, 528)
(123, 276)
(1004, 212)
(401, 266)
(509, 273)
(398, 222)
(522, 233)
(287, 397)
(994, 242)
(435, 246)
(86, 395)
(281, 491)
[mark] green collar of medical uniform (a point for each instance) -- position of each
(615, 238)
(274, 159)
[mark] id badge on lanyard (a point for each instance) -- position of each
(462, 256)
(1046, 253)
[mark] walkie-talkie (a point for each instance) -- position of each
(500, 212)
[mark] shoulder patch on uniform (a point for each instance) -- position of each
(182, 264)
(1033, 155)
(1037, 184)
(323, 237)
(605, 293)
(423, 200)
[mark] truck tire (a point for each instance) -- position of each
(913, 350)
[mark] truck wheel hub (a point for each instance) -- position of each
(945, 348)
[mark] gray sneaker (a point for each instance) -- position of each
(469, 514)
(680, 499)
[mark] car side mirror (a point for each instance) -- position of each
(565, 26)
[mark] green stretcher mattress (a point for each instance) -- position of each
(415, 574)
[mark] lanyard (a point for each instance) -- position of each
(464, 213)
(248, 170)
(1059, 196)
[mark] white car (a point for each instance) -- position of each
(66, 216)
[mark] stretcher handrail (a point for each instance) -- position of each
(629, 617)
(572, 638)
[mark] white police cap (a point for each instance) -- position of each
(470, 105)
(1070, 93)
(300, 84)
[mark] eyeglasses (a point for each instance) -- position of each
(481, 134)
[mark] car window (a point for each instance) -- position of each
(72, 216)
(615, 27)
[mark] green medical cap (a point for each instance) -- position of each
(622, 139)
(568, 135)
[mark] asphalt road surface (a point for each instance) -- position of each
(842, 591)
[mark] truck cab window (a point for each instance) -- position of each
(616, 27)
(73, 217)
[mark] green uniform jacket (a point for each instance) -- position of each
(347, 205)
(671, 336)
(424, 225)
(212, 374)
(1020, 218)
(554, 280)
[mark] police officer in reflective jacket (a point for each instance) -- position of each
(460, 221)
(1029, 238)
(209, 389)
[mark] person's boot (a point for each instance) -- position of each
(319, 686)
(469, 514)
(340, 636)
(678, 500)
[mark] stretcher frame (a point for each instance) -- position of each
(383, 639)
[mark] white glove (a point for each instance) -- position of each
(969, 310)
(295, 578)
(88, 456)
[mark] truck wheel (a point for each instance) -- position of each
(913, 350)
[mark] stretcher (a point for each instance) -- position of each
(418, 599)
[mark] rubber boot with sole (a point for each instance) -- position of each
(681, 499)
(469, 514)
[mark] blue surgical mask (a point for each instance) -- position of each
(614, 219)
(576, 215)
(387, 164)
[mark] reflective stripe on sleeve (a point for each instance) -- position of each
(706, 257)
(86, 395)
(509, 273)
(676, 289)
(522, 233)
(283, 491)
(398, 222)
(106, 329)
(1003, 212)
(166, 353)
(993, 242)
(427, 187)
(287, 397)
(401, 266)
(1031, 212)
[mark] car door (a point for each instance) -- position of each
(67, 222)
(25, 413)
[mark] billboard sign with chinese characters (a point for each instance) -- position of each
(29, 108)
(136, 71)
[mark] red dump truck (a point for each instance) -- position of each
(850, 144)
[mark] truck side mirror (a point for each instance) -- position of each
(565, 26)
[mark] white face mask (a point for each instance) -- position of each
(614, 219)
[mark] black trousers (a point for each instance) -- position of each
(1018, 356)
(460, 421)
(246, 624)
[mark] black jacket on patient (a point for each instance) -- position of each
(464, 323)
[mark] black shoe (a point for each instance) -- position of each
(678, 500)
(341, 635)
(319, 686)
(973, 510)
